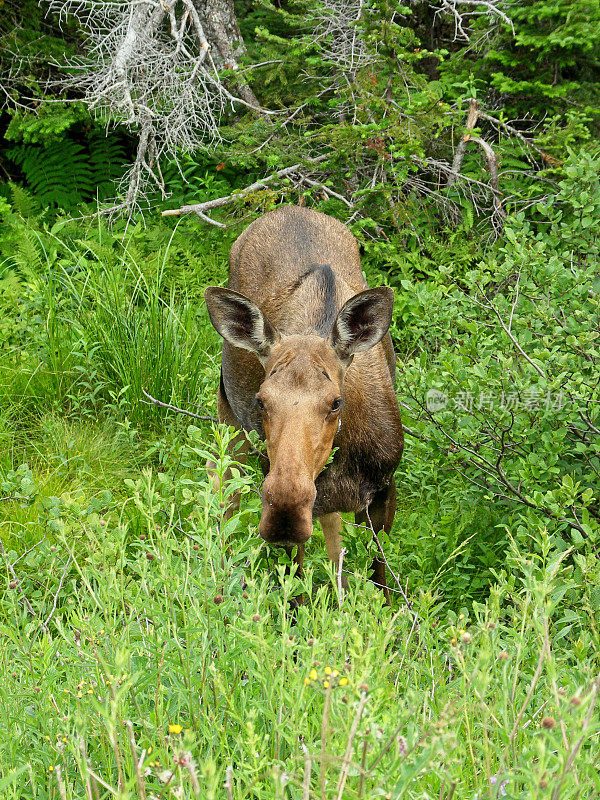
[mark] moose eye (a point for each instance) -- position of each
(258, 402)
(336, 405)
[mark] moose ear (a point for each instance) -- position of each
(240, 321)
(362, 322)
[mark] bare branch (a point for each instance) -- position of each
(219, 202)
(462, 146)
(154, 401)
(462, 10)
(154, 67)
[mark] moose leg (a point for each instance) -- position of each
(298, 558)
(332, 527)
(380, 514)
(297, 600)
(227, 417)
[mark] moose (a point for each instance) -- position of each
(308, 363)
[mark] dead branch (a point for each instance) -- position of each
(219, 202)
(472, 8)
(492, 162)
(462, 146)
(153, 401)
(488, 151)
(155, 67)
(328, 191)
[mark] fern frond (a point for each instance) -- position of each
(22, 201)
(27, 256)
(65, 173)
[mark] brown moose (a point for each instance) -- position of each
(308, 363)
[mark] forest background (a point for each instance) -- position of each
(146, 642)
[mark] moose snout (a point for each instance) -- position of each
(287, 510)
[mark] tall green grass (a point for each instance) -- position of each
(144, 343)
(165, 660)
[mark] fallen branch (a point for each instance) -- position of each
(153, 401)
(490, 156)
(329, 192)
(472, 118)
(528, 142)
(492, 162)
(219, 202)
(17, 582)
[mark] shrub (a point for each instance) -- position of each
(505, 389)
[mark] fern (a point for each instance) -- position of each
(58, 174)
(66, 173)
(10, 286)
(28, 256)
(22, 201)
(107, 161)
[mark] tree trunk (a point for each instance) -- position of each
(223, 33)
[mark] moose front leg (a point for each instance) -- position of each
(298, 558)
(332, 531)
(380, 515)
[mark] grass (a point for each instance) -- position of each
(156, 660)
(149, 647)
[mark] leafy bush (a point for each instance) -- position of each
(505, 389)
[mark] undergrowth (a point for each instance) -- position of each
(150, 647)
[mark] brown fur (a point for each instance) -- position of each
(275, 263)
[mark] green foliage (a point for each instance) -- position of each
(64, 172)
(49, 122)
(512, 351)
(161, 647)
(543, 69)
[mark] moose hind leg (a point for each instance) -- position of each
(380, 514)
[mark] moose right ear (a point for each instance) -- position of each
(240, 321)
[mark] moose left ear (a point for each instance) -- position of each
(240, 321)
(362, 322)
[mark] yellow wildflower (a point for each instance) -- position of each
(313, 674)
(343, 681)
(326, 684)
(175, 728)
(327, 670)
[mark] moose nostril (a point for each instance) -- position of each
(286, 525)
